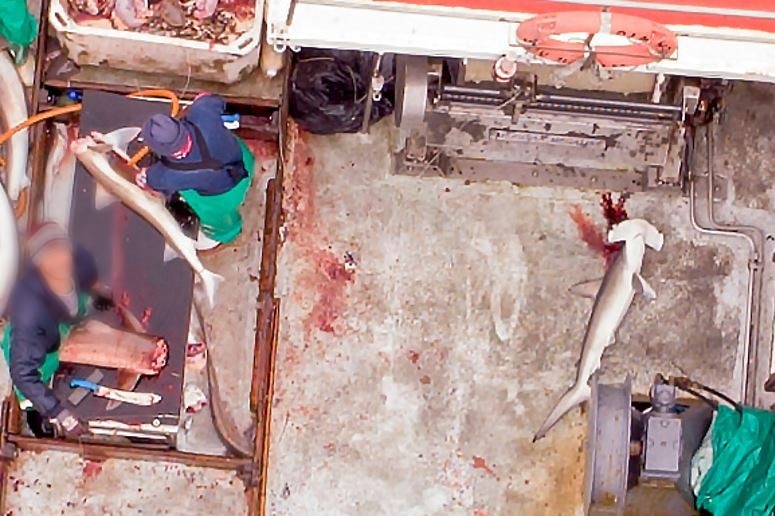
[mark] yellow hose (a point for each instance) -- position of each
(21, 204)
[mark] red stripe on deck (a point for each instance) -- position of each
(673, 17)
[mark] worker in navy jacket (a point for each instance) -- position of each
(48, 300)
(202, 161)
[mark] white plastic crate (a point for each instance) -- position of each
(127, 50)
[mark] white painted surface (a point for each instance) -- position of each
(463, 33)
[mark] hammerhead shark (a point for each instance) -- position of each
(95, 152)
(614, 294)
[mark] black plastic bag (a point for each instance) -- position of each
(329, 90)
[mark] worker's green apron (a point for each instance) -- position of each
(219, 215)
(17, 25)
(51, 362)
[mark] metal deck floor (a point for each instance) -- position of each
(413, 385)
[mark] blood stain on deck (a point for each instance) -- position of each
(91, 468)
(592, 235)
(326, 277)
(480, 463)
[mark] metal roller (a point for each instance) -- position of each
(411, 91)
(608, 447)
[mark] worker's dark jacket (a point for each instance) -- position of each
(35, 313)
(214, 164)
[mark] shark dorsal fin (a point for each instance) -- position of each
(120, 138)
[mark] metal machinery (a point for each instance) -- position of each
(539, 92)
(639, 453)
(540, 128)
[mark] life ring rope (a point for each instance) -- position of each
(650, 42)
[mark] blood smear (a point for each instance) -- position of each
(592, 235)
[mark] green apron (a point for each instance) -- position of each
(219, 216)
(17, 25)
(51, 362)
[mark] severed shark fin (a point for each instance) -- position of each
(588, 289)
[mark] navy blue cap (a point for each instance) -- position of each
(164, 135)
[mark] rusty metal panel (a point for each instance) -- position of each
(540, 147)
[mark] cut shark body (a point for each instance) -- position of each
(126, 380)
(612, 301)
(225, 426)
(60, 176)
(13, 109)
(9, 249)
(96, 159)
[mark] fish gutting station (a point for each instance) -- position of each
(476, 258)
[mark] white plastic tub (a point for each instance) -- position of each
(127, 50)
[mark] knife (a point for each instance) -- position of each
(135, 398)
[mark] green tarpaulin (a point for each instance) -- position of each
(17, 25)
(741, 479)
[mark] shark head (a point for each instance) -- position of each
(115, 141)
(632, 229)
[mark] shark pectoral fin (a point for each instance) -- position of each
(587, 289)
(642, 286)
(169, 253)
(103, 198)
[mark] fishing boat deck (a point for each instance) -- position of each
(413, 384)
(426, 330)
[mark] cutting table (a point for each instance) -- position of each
(129, 253)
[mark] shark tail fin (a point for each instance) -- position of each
(576, 395)
(633, 228)
(210, 282)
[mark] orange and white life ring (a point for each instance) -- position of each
(649, 41)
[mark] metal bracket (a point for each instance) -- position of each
(375, 92)
(691, 99)
(8, 451)
(249, 474)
